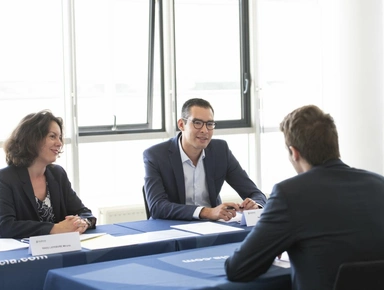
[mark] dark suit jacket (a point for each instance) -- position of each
(18, 210)
(164, 178)
(322, 218)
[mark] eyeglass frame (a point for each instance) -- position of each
(203, 123)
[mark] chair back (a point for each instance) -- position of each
(146, 205)
(360, 276)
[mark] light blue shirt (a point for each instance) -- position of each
(196, 191)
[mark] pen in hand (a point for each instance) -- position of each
(230, 207)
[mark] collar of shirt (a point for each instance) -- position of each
(184, 156)
(196, 191)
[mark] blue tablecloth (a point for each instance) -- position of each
(20, 270)
(201, 268)
(191, 242)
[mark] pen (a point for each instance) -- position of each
(230, 207)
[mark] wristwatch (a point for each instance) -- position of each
(88, 222)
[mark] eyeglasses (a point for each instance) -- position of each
(198, 124)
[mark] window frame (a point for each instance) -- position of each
(115, 129)
(245, 73)
(156, 8)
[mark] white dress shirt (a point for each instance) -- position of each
(196, 191)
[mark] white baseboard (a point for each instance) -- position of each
(120, 214)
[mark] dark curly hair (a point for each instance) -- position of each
(23, 146)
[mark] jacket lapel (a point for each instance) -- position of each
(175, 159)
(27, 187)
(209, 174)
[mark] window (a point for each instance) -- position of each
(32, 70)
(115, 52)
(212, 57)
(290, 69)
(123, 75)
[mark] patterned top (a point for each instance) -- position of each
(45, 209)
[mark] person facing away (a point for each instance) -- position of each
(184, 175)
(326, 215)
(36, 197)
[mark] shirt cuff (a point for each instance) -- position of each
(196, 213)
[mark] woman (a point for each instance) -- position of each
(36, 197)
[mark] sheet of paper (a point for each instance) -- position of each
(84, 237)
(167, 235)
(107, 241)
(155, 236)
(236, 219)
(100, 242)
(11, 244)
(283, 261)
(206, 228)
(284, 257)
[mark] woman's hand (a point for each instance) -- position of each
(70, 224)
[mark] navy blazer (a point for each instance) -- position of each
(326, 216)
(164, 178)
(18, 210)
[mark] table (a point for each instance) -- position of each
(191, 242)
(201, 268)
(20, 270)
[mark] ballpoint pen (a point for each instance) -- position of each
(229, 207)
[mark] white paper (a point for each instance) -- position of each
(284, 257)
(55, 243)
(100, 242)
(206, 228)
(167, 235)
(108, 241)
(236, 219)
(283, 261)
(84, 237)
(11, 244)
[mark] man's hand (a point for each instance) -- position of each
(225, 211)
(248, 204)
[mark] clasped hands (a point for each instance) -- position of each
(227, 211)
(71, 223)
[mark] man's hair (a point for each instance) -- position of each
(185, 110)
(24, 144)
(313, 133)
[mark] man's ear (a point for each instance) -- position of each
(295, 153)
(180, 124)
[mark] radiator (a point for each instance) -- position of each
(120, 214)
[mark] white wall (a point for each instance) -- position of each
(353, 77)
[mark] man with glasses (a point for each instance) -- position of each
(184, 175)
